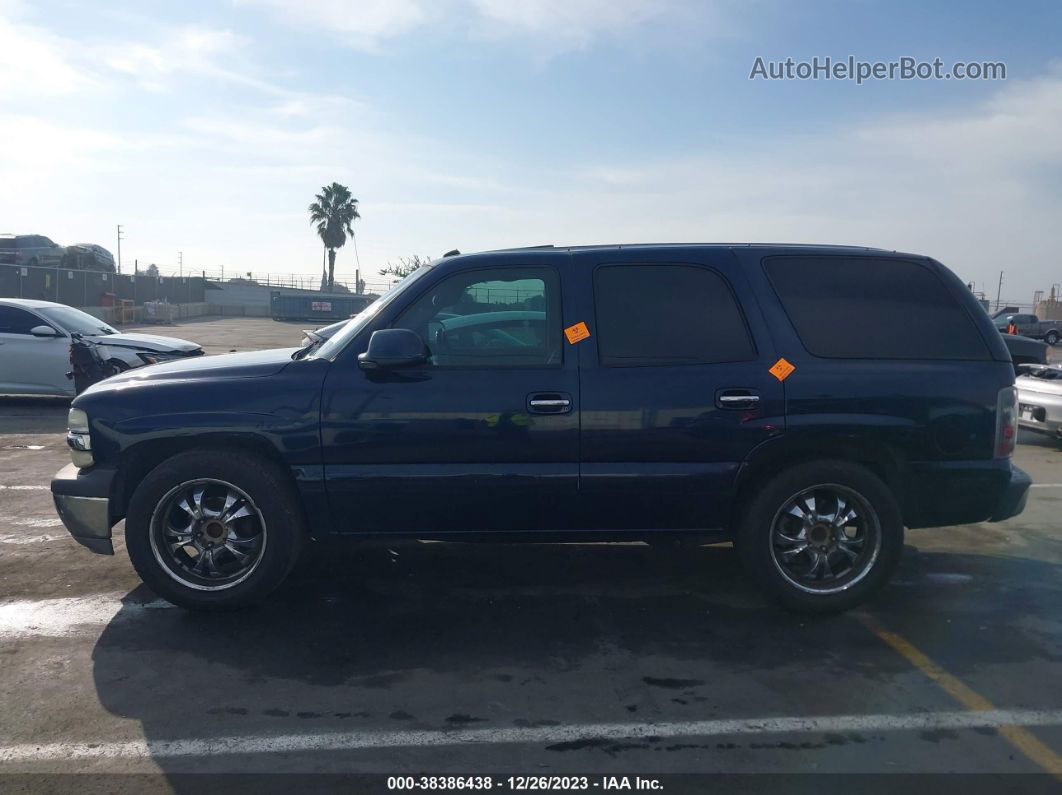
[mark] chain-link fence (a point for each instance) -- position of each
(93, 288)
(371, 280)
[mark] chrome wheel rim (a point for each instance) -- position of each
(207, 534)
(825, 539)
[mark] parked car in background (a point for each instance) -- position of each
(1040, 399)
(1024, 350)
(30, 250)
(7, 249)
(88, 257)
(603, 393)
(1050, 331)
(35, 339)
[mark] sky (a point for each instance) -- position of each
(207, 128)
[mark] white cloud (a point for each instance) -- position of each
(361, 23)
(35, 62)
(574, 22)
(552, 25)
(976, 187)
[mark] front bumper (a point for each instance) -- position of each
(82, 498)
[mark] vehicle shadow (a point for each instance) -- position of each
(33, 414)
(443, 636)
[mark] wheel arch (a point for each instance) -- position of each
(143, 457)
(771, 458)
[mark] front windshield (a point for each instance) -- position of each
(339, 341)
(74, 321)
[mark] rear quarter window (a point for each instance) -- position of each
(873, 308)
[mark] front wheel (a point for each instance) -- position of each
(211, 528)
(822, 536)
(1051, 337)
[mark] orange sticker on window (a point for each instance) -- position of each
(576, 333)
(782, 369)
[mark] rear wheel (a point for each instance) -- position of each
(211, 528)
(1051, 337)
(822, 536)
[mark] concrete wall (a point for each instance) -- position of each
(239, 310)
(248, 295)
(109, 314)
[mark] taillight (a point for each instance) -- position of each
(1006, 422)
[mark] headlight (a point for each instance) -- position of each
(155, 358)
(78, 439)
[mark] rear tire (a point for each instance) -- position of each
(822, 536)
(214, 529)
(1051, 338)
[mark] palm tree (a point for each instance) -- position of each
(334, 212)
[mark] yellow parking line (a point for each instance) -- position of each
(1018, 736)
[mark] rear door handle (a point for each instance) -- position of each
(549, 403)
(736, 398)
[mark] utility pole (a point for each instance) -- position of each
(180, 262)
(999, 290)
(119, 248)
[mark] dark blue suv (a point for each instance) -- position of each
(805, 402)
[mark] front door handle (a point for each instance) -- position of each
(549, 403)
(736, 398)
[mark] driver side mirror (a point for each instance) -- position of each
(44, 331)
(393, 347)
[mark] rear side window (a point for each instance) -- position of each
(667, 314)
(873, 308)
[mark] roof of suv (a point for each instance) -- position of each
(28, 302)
(801, 247)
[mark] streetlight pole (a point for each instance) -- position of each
(119, 248)
(999, 290)
(180, 262)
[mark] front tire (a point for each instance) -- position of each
(822, 536)
(214, 529)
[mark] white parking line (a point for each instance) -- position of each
(1047, 485)
(44, 522)
(24, 488)
(65, 616)
(550, 735)
(19, 538)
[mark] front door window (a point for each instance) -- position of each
(496, 318)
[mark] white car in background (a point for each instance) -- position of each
(1040, 398)
(35, 339)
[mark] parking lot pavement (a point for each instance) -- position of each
(233, 334)
(459, 658)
